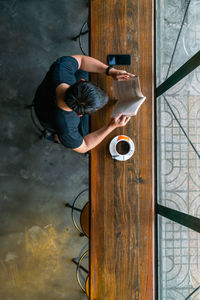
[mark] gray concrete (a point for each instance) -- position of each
(37, 238)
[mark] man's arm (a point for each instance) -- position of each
(93, 139)
(90, 64)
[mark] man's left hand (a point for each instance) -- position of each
(120, 74)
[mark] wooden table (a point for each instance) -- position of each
(122, 207)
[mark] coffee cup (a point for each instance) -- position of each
(123, 146)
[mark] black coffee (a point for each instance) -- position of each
(123, 147)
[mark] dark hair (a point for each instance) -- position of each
(84, 97)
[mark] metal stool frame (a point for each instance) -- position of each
(79, 266)
(44, 133)
(79, 36)
(73, 208)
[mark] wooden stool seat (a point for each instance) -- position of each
(84, 219)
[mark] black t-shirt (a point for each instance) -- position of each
(65, 124)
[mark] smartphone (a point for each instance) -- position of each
(119, 59)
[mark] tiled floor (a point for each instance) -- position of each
(179, 165)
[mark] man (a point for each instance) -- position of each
(62, 104)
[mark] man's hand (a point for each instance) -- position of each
(119, 121)
(120, 74)
(94, 138)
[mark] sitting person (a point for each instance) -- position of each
(65, 98)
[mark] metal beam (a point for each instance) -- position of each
(183, 71)
(179, 217)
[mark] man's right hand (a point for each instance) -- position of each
(119, 121)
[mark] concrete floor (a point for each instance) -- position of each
(37, 238)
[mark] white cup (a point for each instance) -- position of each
(123, 146)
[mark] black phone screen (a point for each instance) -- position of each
(119, 59)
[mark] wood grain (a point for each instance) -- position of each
(121, 219)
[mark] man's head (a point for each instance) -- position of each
(85, 97)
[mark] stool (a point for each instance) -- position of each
(44, 132)
(83, 212)
(82, 273)
(82, 32)
(87, 286)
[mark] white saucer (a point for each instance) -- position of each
(113, 152)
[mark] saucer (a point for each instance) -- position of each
(112, 148)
